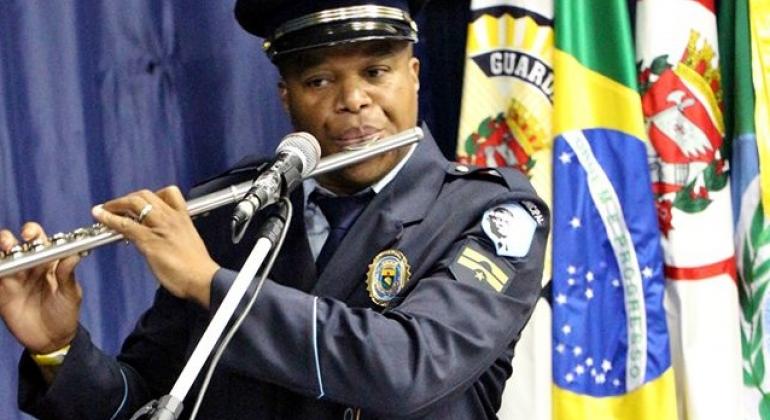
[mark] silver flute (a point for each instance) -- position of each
(83, 240)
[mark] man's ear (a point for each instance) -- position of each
(283, 92)
(414, 71)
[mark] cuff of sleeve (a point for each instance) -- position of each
(221, 283)
(86, 374)
(279, 338)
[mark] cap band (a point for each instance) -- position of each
(342, 13)
(357, 19)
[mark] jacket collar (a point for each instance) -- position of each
(404, 201)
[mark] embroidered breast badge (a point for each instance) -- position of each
(387, 276)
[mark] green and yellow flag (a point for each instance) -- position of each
(745, 47)
(610, 341)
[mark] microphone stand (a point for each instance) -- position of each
(169, 407)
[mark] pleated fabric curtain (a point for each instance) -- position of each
(99, 98)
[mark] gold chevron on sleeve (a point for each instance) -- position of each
(484, 269)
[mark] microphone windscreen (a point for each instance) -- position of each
(303, 145)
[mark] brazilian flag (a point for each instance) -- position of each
(610, 342)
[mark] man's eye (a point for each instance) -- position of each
(376, 72)
(317, 82)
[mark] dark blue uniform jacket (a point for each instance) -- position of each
(318, 347)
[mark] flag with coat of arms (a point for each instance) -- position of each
(506, 121)
(745, 49)
(682, 100)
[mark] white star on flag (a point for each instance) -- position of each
(569, 377)
(566, 329)
(616, 282)
(560, 348)
(577, 351)
(600, 378)
(561, 299)
(590, 276)
(589, 294)
(575, 223)
(647, 272)
(571, 281)
(589, 361)
(579, 369)
(565, 158)
(571, 269)
(606, 365)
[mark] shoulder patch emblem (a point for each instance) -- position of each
(475, 265)
(534, 211)
(511, 228)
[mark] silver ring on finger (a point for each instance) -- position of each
(144, 213)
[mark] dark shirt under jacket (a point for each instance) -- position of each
(314, 348)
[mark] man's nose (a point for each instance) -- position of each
(353, 96)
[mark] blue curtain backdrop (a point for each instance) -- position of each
(102, 98)
(99, 98)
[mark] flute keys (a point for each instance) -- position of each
(97, 228)
(16, 251)
(58, 238)
(79, 233)
(37, 245)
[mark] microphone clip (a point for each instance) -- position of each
(269, 186)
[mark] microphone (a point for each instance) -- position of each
(296, 157)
